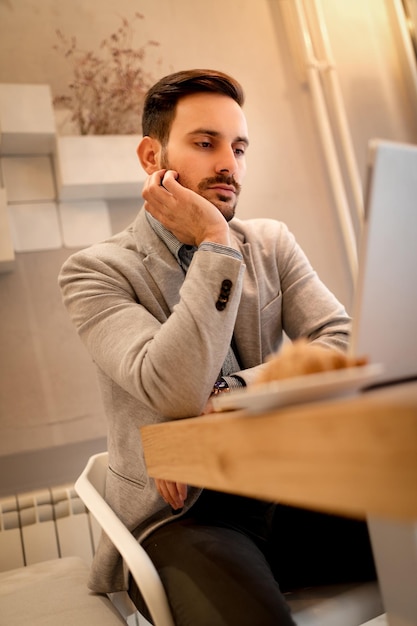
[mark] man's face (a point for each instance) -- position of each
(207, 146)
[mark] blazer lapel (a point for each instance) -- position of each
(167, 275)
(159, 262)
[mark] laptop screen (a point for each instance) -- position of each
(385, 308)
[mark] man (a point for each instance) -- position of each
(186, 302)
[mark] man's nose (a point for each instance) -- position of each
(226, 162)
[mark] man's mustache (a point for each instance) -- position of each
(220, 179)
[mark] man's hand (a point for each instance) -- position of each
(173, 493)
(208, 408)
(186, 214)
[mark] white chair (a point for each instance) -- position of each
(90, 487)
(337, 605)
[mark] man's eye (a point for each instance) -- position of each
(204, 144)
(239, 151)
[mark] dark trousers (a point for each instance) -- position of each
(230, 560)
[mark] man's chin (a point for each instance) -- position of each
(227, 211)
(225, 206)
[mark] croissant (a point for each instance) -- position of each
(302, 357)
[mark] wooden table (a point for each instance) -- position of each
(355, 456)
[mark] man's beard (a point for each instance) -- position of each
(222, 203)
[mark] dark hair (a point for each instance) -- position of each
(161, 99)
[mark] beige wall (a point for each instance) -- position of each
(46, 380)
(286, 177)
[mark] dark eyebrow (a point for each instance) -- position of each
(215, 133)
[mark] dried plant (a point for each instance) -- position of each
(107, 90)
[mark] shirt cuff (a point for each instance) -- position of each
(234, 382)
(210, 246)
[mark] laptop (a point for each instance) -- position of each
(385, 308)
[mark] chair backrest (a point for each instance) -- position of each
(90, 486)
(96, 471)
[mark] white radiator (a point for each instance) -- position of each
(45, 524)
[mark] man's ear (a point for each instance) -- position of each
(149, 153)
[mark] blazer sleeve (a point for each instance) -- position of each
(166, 358)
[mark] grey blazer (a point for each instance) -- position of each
(159, 339)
